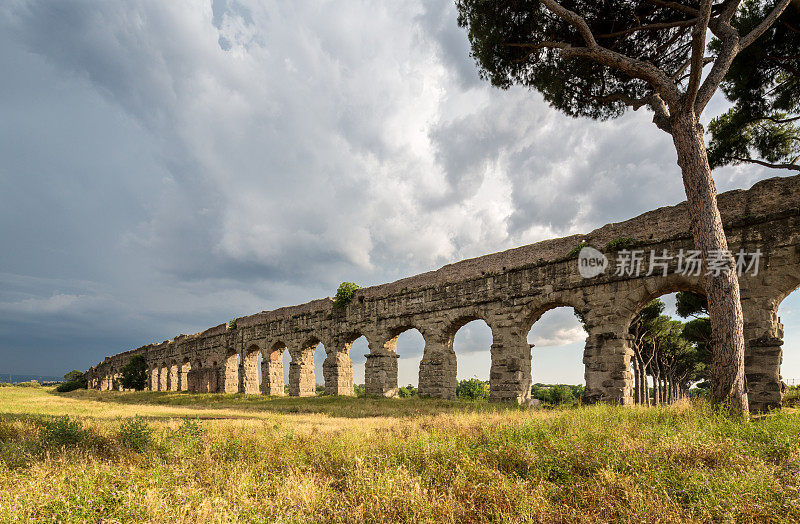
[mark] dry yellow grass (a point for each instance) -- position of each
(248, 460)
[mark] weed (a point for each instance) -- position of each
(135, 434)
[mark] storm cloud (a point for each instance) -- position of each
(166, 166)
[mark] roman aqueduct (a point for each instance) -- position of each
(510, 291)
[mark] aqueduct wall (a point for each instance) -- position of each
(509, 290)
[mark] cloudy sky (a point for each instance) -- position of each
(166, 166)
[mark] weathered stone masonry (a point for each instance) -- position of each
(510, 291)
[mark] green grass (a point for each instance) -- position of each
(152, 457)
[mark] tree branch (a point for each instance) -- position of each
(648, 27)
(698, 50)
(732, 44)
(792, 166)
(676, 6)
(630, 66)
(765, 24)
(574, 19)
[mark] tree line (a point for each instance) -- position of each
(670, 354)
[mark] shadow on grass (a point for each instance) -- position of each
(348, 407)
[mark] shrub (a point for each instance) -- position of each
(30, 384)
(621, 243)
(557, 394)
(62, 432)
(232, 323)
(72, 385)
(135, 434)
(345, 294)
(360, 390)
(408, 391)
(473, 389)
(190, 429)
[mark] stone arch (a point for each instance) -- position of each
(381, 368)
(456, 323)
(533, 311)
(230, 377)
(764, 338)
(272, 375)
(302, 381)
(643, 291)
(438, 368)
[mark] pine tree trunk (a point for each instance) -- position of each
(722, 290)
(637, 386)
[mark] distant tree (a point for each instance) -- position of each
(642, 327)
(599, 59)
(73, 380)
(690, 304)
(698, 330)
(473, 389)
(134, 373)
(561, 394)
(73, 375)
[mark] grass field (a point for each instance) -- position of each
(177, 457)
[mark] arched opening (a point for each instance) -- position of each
(318, 357)
(153, 377)
(473, 345)
(557, 339)
(231, 372)
(198, 379)
(789, 333)
(670, 338)
(410, 348)
(250, 370)
(358, 353)
(260, 368)
(439, 368)
(163, 377)
(186, 368)
(274, 365)
(286, 361)
(214, 378)
(173, 376)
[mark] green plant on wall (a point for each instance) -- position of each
(232, 323)
(345, 294)
(575, 251)
(621, 243)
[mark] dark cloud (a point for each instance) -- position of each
(165, 166)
